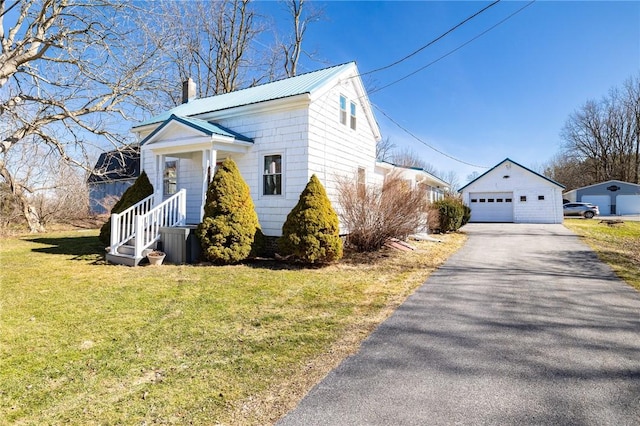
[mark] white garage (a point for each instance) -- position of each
(510, 192)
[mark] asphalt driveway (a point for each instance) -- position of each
(522, 326)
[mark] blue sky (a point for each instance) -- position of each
(506, 94)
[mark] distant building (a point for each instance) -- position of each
(114, 172)
(612, 197)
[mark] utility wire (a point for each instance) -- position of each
(452, 51)
(452, 29)
(9, 8)
(404, 129)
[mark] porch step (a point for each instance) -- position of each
(123, 259)
(126, 256)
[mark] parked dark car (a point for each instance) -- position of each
(586, 210)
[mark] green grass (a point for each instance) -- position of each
(617, 245)
(83, 342)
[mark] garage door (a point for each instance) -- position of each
(491, 206)
(628, 204)
(602, 201)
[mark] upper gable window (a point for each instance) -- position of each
(343, 110)
(353, 116)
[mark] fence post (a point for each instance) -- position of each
(139, 235)
(182, 208)
(115, 233)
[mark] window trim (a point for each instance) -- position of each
(168, 159)
(264, 174)
(343, 110)
(352, 115)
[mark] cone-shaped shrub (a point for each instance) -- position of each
(137, 192)
(310, 232)
(230, 221)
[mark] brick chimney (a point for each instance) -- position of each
(188, 90)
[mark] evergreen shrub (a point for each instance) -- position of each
(230, 221)
(311, 232)
(451, 213)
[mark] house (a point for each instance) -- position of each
(279, 134)
(510, 192)
(114, 172)
(435, 188)
(613, 197)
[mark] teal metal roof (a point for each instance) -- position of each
(303, 83)
(200, 125)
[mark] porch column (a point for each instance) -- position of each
(159, 183)
(209, 158)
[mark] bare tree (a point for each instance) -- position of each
(409, 158)
(71, 71)
(384, 149)
(605, 135)
(302, 15)
(214, 43)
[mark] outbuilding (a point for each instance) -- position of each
(510, 192)
(613, 197)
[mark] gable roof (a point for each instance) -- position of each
(119, 164)
(604, 183)
(206, 127)
(517, 164)
(300, 84)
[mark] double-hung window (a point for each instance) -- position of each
(272, 176)
(343, 110)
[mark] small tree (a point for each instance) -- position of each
(230, 221)
(311, 231)
(137, 192)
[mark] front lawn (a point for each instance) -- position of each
(618, 245)
(82, 342)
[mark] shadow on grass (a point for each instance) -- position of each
(81, 248)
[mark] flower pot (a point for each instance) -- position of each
(156, 257)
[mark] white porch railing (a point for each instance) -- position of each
(142, 222)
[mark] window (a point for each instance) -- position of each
(353, 116)
(343, 110)
(482, 200)
(498, 200)
(170, 177)
(490, 200)
(272, 177)
(540, 197)
(507, 200)
(523, 198)
(474, 200)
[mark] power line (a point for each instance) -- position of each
(454, 50)
(404, 129)
(450, 30)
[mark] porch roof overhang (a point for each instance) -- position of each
(201, 135)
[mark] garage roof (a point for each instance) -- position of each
(517, 164)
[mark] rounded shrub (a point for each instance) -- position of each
(230, 221)
(311, 232)
(451, 214)
(137, 192)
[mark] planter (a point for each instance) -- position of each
(156, 257)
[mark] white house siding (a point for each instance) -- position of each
(521, 183)
(274, 133)
(336, 150)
